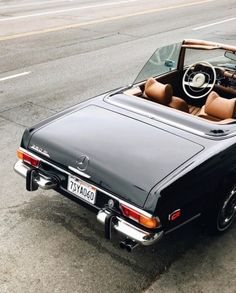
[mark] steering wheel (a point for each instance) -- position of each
(196, 82)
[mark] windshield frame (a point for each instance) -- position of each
(168, 60)
(144, 74)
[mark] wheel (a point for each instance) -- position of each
(224, 214)
(197, 83)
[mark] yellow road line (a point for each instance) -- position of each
(102, 20)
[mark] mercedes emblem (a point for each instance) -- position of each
(82, 162)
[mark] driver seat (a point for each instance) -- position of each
(217, 108)
(163, 94)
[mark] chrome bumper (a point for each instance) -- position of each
(130, 231)
(41, 180)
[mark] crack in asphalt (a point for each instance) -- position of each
(27, 104)
(13, 122)
(14, 207)
(88, 40)
(47, 108)
(6, 233)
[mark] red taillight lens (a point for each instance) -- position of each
(138, 217)
(27, 158)
(130, 213)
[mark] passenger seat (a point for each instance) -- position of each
(163, 94)
(217, 108)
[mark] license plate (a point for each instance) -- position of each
(81, 189)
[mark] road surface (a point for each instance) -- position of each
(54, 54)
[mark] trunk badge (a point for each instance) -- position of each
(82, 162)
(40, 150)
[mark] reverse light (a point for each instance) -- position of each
(33, 161)
(148, 222)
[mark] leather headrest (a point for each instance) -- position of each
(219, 107)
(161, 93)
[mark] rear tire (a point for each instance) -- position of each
(222, 217)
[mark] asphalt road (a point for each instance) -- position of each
(54, 54)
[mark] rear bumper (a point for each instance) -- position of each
(40, 180)
(130, 231)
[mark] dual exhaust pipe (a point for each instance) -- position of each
(128, 244)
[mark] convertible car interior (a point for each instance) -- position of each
(205, 89)
(149, 157)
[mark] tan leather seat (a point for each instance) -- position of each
(163, 94)
(217, 108)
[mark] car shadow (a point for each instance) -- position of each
(147, 263)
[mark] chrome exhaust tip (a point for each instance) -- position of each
(128, 244)
(122, 245)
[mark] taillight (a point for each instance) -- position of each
(27, 158)
(149, 222)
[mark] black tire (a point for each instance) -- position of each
(222, 216)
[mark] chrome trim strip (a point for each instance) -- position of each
(169, 122)
(79, 172)
(95, 186)
(158, 118)
(180, 225)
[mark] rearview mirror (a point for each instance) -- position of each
(169, 63)
(230, 55)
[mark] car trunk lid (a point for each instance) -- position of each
(126, 156)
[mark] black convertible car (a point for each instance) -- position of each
(150, 157)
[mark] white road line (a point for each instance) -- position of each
(67, 10)
(33, 4)
(15, 75)
(214, 23)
